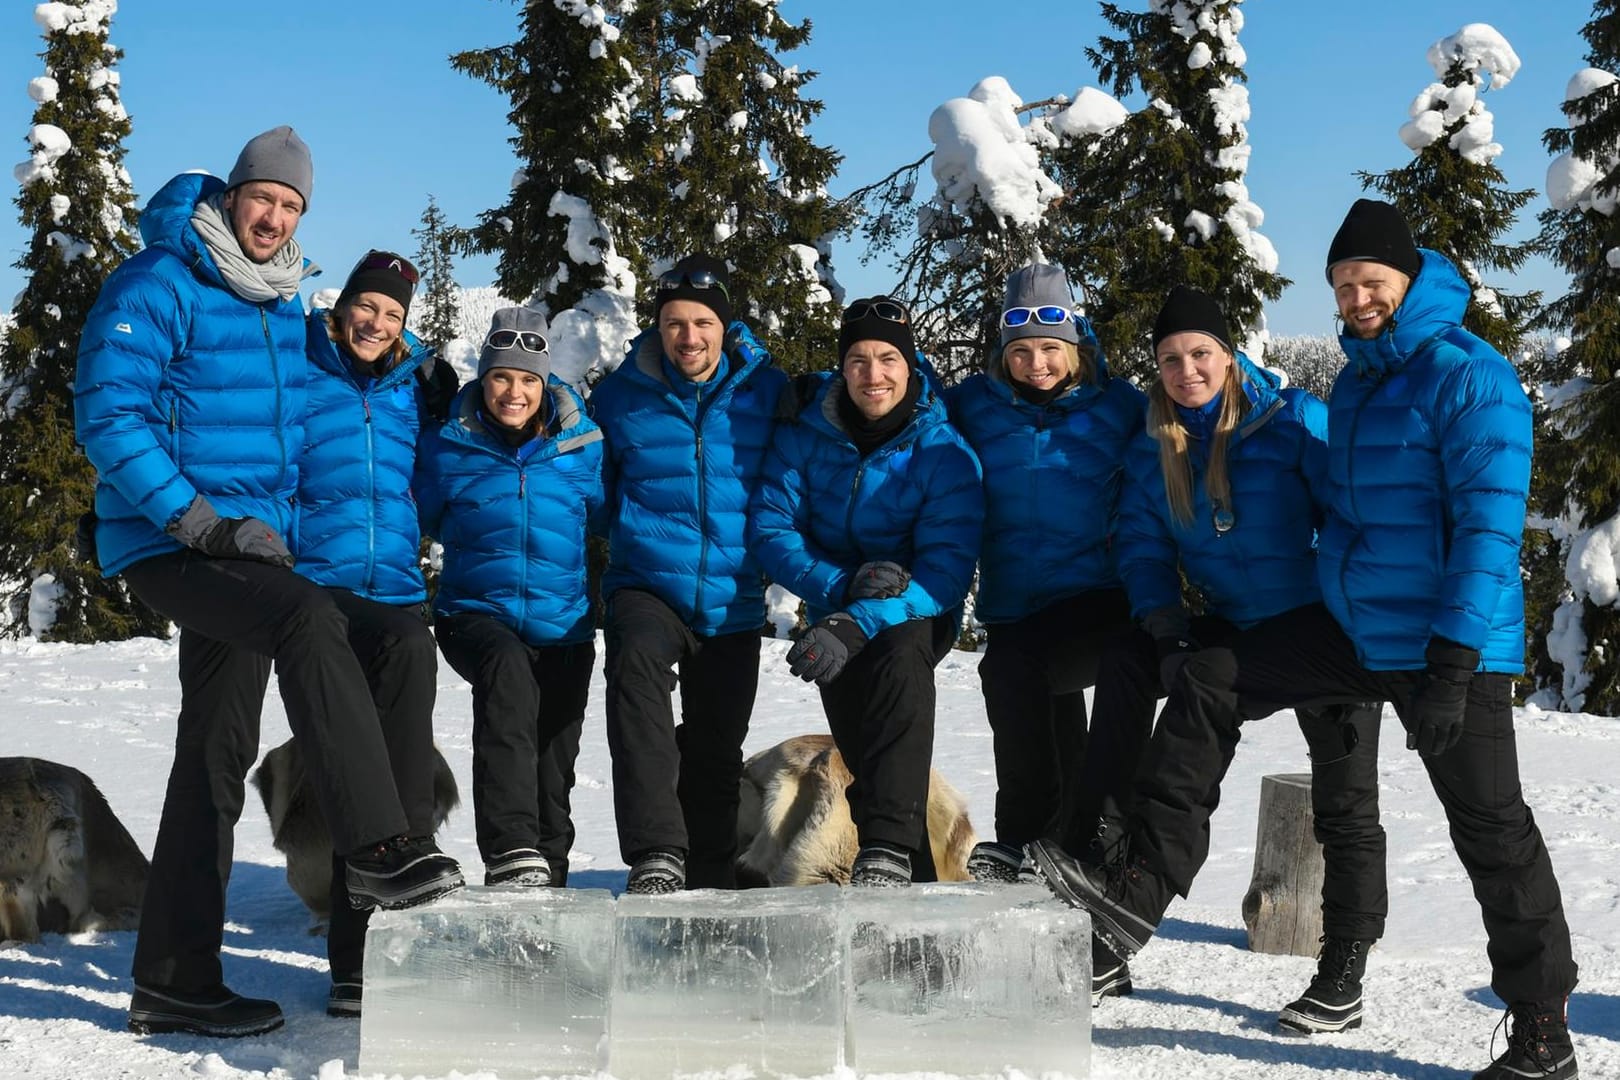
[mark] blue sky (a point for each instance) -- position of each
(367, 85)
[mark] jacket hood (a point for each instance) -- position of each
(166, 221)
(1435, 302)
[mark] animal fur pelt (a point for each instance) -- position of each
(67, 864)
(794, 825)
(298, 829)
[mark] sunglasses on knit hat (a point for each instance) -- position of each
(697, 279)
(1046, 315)
(892, 310)
(387, 260)
(528, 340)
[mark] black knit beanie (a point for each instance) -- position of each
(868, 325)
(1375, 231)
(677, 284)
(1186, 309)
(381, 272)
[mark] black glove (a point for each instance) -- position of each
(84, 538)
(201, 529)
(823, 650)
(878, 581)
(1172, 639)
(1435, 711)
(439, 385)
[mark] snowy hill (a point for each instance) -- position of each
(1204, 1008)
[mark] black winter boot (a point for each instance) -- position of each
(1538, 1045)
(881, 866)
(993, 862)
(1125, 898)
(400, 873)
(1333, 1000)
(656, 872)
(217, 1013)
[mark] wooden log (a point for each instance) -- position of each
(1283, 907)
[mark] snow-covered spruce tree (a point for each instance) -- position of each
(1160, 199)
(1452, 193)
(436, 311)
(573, 79)
(77, 206)
(736, 173)
(1576, 483)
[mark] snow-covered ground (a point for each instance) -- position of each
(1204, 1007)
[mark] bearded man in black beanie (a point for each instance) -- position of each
(685, 419)
(870, 511)
(1429, 437)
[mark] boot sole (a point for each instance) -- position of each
(1103, 922)
(1304, 1024)
(154, 1023)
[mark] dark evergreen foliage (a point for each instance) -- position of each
(436, 310)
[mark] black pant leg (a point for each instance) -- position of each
(216, 742)
(1343, 745)
(1501, 848)
(718, 682)
(881, 712)
(279, 615)
(1298, 657)
(563, 673)
(506, 745)
(645, 640)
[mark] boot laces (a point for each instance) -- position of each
(1337, 960)
(1525, 1034)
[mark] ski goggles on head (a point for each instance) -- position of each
(892, 310)
(528, 340)
(1049, 315)
(697, 279)
(387, 260)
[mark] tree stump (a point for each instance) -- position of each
(1283, 907)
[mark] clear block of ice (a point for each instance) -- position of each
(510, 981)
(710, 980)
(972, 980)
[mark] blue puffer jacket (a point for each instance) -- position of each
(1052, 484)
(513, 520)
(1265, 563)
(1429, 452)
(823, 510)
(678, 490)
(184, 388)
(357, 521)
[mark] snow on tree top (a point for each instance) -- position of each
(1477, 47)
(982, 152)
(1583, 82)
(85, 17)
(1091, 113)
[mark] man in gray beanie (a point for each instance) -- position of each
(189, 402)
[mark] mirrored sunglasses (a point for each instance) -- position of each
(1051, 315)
(892, 310)
(698, 279)
(387, 260)
(529, 340)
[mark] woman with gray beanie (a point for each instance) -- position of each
(509, 485)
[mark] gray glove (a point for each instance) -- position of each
(825, 648)
(201, 529)
(877, 581)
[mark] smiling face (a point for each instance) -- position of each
(264, 216)
(512, 397)
(1368, 294)
(693, 337)
(1040, 363)
(368, 325)
(875, 375)
(1192, 367)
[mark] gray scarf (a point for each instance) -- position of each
(258, 282)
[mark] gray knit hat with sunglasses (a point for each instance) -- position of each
(1036, 286)
(510, 342)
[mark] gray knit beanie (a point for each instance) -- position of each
(279, 156)
(1037, 286)
(511, 342)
